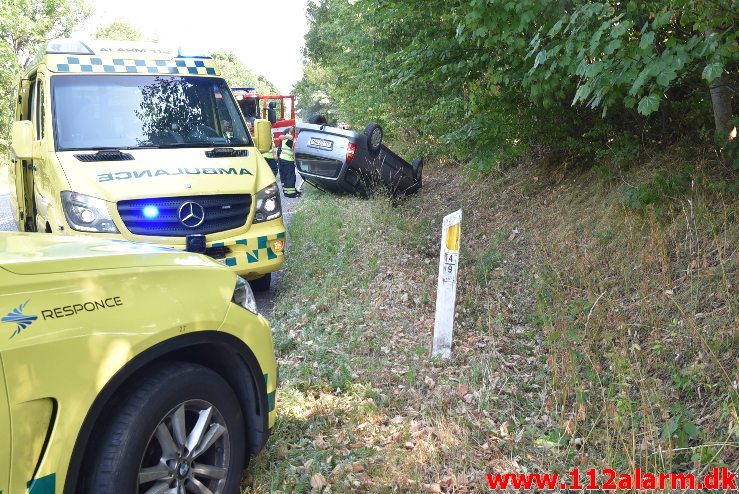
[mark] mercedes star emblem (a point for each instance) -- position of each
(191, 214)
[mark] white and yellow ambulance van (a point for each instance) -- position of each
(127, 368)
(141, 142)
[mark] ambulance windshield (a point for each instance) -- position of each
(136, 111)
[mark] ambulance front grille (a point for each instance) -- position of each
(181, 216)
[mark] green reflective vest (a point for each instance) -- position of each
(286, 152)
(269, 155)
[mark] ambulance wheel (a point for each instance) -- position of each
(180, 429)
(29, 222)
(261, 284)
(374, 134)
(27, 225)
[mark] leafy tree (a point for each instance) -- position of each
(239, 75)
(488, 78)
(635, 53)
(313, 94)
(119, 30)
(24, 26)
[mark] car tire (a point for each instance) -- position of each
(374, 134)
(179, 426)
(417, 166)
(261, 284)
(317, 119)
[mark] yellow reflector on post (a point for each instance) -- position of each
(452, 238)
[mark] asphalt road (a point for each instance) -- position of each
(264, 299)
(7, 222)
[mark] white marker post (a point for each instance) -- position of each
(446, 293)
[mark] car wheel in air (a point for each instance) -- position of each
(179, 430)
(317, 120)
(374, 134)
(261, 284)
(417, 166)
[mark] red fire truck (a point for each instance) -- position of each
(278, 109)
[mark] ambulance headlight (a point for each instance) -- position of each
(243, 295)
(87, 214)
(268, 204)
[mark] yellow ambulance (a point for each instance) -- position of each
(127, 368)
(142, 142)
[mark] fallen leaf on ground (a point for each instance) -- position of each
(318, 481)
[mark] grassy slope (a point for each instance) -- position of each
(588, 334)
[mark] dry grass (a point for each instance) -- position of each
(587, 334)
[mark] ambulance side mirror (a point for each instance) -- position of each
(262, 135)
(21, 140)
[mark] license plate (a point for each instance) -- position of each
(315, 142)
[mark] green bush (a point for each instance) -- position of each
(658, 192)
(483, 81)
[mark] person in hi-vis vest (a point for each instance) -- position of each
(286, 159)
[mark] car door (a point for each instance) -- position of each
(38, 178)
(31, 176)
(5, 443)
(5, 439)
(23, 169)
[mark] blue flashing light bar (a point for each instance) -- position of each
(68, 47)
(189, 52)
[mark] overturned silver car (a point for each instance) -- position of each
(340, 160)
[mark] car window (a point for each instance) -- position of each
(39, 115)
(31, 100)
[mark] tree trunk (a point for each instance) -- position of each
(723, 113)
(722, 110)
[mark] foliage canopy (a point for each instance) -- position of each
(24, 25)
(239, 75)
(490, 77)
(120, 31)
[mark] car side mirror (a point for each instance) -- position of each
(21, 140)
(262, 135)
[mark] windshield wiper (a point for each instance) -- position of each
(178, 145)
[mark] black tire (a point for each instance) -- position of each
(374, 134)
(29, 222)
(130, 441)
(417, 166)
(261, 284)
(26, 225)
(317, 119)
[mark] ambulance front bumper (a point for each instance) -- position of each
(249, 255)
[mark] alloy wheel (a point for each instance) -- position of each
(189, 452)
